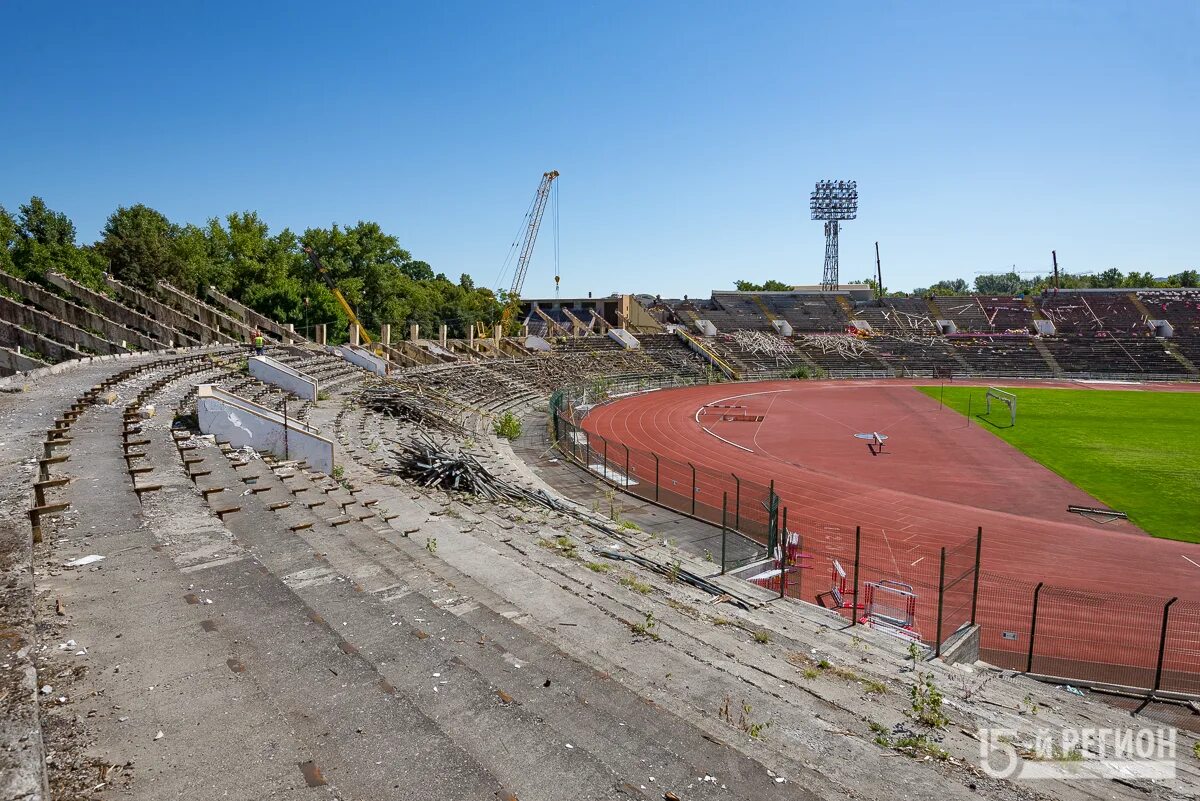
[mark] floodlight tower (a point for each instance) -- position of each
(833, 201)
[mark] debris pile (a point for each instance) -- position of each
(431, 464)
(408, 405)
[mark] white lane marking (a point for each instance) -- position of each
(1193, 563)
(914, 564)
(710, 432)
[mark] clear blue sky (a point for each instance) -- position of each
(688, 135)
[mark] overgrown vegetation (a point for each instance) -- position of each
(926, 719)
(803, 371)
(562, 544)
(637, 586)
(646, 628)
(239, 256)
(508, 426)
(745, 722)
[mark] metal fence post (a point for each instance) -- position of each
(602, 439)
(737, 502)
(693, 488)
(783, 558)
(1162, 644)
(626, 466)
(1037, 592)
(656, 485)
(857, 553)
(937, 646)
(772, 518)
(800, 567)
(724, 530)
(975, 586)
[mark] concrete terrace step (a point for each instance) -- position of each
(381, 572)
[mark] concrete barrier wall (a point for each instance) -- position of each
(71, 364)
(244, 423)
(363, 358)
(213, 318)
(55, 329)
(13, 362)
(13, 336)
(164, 336)
(77, 316)
(264, 368)
(173, 318)
(251, 317)
(626, 339)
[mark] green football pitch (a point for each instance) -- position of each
(1138, 452)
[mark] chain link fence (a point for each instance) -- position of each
(1136, 641)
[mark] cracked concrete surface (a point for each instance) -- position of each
(362, 639)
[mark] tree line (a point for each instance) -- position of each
(1014, 283)
(241, 257)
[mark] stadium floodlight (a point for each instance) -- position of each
(833, 201)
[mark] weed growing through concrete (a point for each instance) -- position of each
(744, 722)
(508, 426)
(431, 544)
(598, 567)
(562, 544)
(925, 704)
(637, 586)
(646, 628)
(683, 609)
(762, 637)
(928, 719)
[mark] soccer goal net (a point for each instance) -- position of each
(1007, 398)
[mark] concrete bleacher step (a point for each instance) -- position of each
(381, 581)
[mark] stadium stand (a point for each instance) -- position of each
(1001, 354)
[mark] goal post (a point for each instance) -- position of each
(1007, 398)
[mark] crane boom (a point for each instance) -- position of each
(531, 231)
(337, 293)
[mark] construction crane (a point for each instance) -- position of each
(533, 221)
(531, 231)
(337, 293)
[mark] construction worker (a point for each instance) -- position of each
(259, 344)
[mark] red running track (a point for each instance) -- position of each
(936, 480)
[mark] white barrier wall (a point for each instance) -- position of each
(534, 342)
(626, 339)
(244, 423)
(264, 368)
(363, 358)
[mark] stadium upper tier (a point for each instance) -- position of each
(1105, 333)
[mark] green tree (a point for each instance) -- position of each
(43, 240)
(139, 244)
(953, 286)
(39, 223)
(1109, 279)
(1187, 278)
(8, 239)
(1010, 283)
(770, 285)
